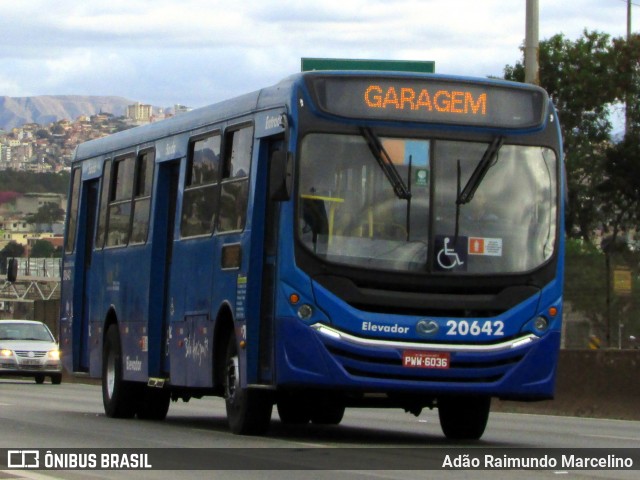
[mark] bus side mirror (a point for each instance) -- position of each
(280, 176)
(12, 270)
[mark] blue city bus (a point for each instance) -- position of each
(341, 239)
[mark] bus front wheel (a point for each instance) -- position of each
(248, 411)
(293, 409)
(463, 418)
(117, 394)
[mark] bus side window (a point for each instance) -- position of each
(142, 197)
(235, 183)
(120, 204)
(201, 188)
(72, 219)
(104, 204)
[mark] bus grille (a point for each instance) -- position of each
(464, 368)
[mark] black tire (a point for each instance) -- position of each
(39, 378)
(56, 378)
(293, 409)
(154, 404)
(463, 418)
(248, 411)
(118, 396)
(328, 414)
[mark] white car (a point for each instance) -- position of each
(28, 349)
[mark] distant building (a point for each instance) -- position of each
(5, 155)
(15, 229)
(139, 112)
(178, 109)
(30, 203)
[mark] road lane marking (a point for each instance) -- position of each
(613, 437)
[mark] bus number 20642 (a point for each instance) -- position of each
(476, 328)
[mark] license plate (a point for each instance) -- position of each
(420, 359)
(30, 362)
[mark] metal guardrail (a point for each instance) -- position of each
(28, 289)
(37, 279)
(39, 267)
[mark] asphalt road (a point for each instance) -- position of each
(71, 416)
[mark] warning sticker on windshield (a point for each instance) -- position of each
(485, 246)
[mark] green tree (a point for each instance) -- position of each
(580, 77)
(621, 186)
(620, 190)
(48, 213)
(29, 182)
(627, 52)
(12, 249)
(43, 134)
(42, 249)
(585, 78)
(58, 129)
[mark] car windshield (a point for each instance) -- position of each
(349, 211)
(24, 331)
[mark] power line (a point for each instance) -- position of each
(634, 4)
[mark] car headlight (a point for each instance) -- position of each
(54, 354)
(5, 352)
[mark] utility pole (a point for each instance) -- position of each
(628, 19)
(531, 44)
(627, 117)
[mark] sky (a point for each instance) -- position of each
(198, 52)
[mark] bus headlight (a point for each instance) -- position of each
(305, 312)
(541, 324)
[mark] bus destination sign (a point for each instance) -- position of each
(432, 100)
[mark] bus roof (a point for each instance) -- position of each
(265, 98)
(278, 95)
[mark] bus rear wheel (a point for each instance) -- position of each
(463, 418)
(117, 394)
(154, 404)
(248, 411)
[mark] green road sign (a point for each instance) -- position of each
(309, 64)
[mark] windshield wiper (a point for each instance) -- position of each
(386, 164)
(487, 161)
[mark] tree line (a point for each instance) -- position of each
(587, 78)
(29, 182)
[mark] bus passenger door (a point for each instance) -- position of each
(87, 218)
(162, 256)
(270, 215)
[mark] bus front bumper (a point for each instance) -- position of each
(319, 356)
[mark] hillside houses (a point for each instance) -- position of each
(14, 226)
(49, 148)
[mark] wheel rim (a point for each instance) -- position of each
(233, 376)
(111, 374)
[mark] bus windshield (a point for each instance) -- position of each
(349, 213)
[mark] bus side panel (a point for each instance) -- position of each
(126, 283)
(189, 298)
(97, 314)
(66, 311)
(193, 337)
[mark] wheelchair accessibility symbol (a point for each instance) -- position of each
(451, 256)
